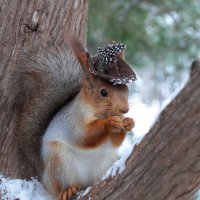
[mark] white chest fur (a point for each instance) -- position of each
(76, 166)
(84, 167)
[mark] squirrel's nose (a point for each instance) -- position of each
(124, 110)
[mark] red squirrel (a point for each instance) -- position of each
(72, 120)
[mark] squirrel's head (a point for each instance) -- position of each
(105, 98)
(106, 76)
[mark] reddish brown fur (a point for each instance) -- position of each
(57, 186)
(95, 134)
(117, 138)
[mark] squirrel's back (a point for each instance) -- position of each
(41, 84)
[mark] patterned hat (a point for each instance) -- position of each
(109, 65)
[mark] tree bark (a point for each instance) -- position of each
(166, 164)
(24, 24)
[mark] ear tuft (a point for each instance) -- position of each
(79, 51)
(83, 58)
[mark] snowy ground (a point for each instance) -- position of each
(144, 117)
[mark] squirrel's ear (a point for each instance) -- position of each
(79, 51)
(83, 58)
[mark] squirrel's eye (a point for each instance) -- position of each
(104, 93)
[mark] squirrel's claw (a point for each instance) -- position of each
(128, 123)
(68, 193)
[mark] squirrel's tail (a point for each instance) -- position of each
(41, 84)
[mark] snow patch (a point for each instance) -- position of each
(86, 191)
(13, 189)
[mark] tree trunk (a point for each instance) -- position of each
(24, 24)
(166, 164)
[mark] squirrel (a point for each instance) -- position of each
(72, 119)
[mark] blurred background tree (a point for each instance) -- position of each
(162, 39)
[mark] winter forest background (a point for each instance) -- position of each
(162, 39)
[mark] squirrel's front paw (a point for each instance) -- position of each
(115, 124)
(128, 123)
